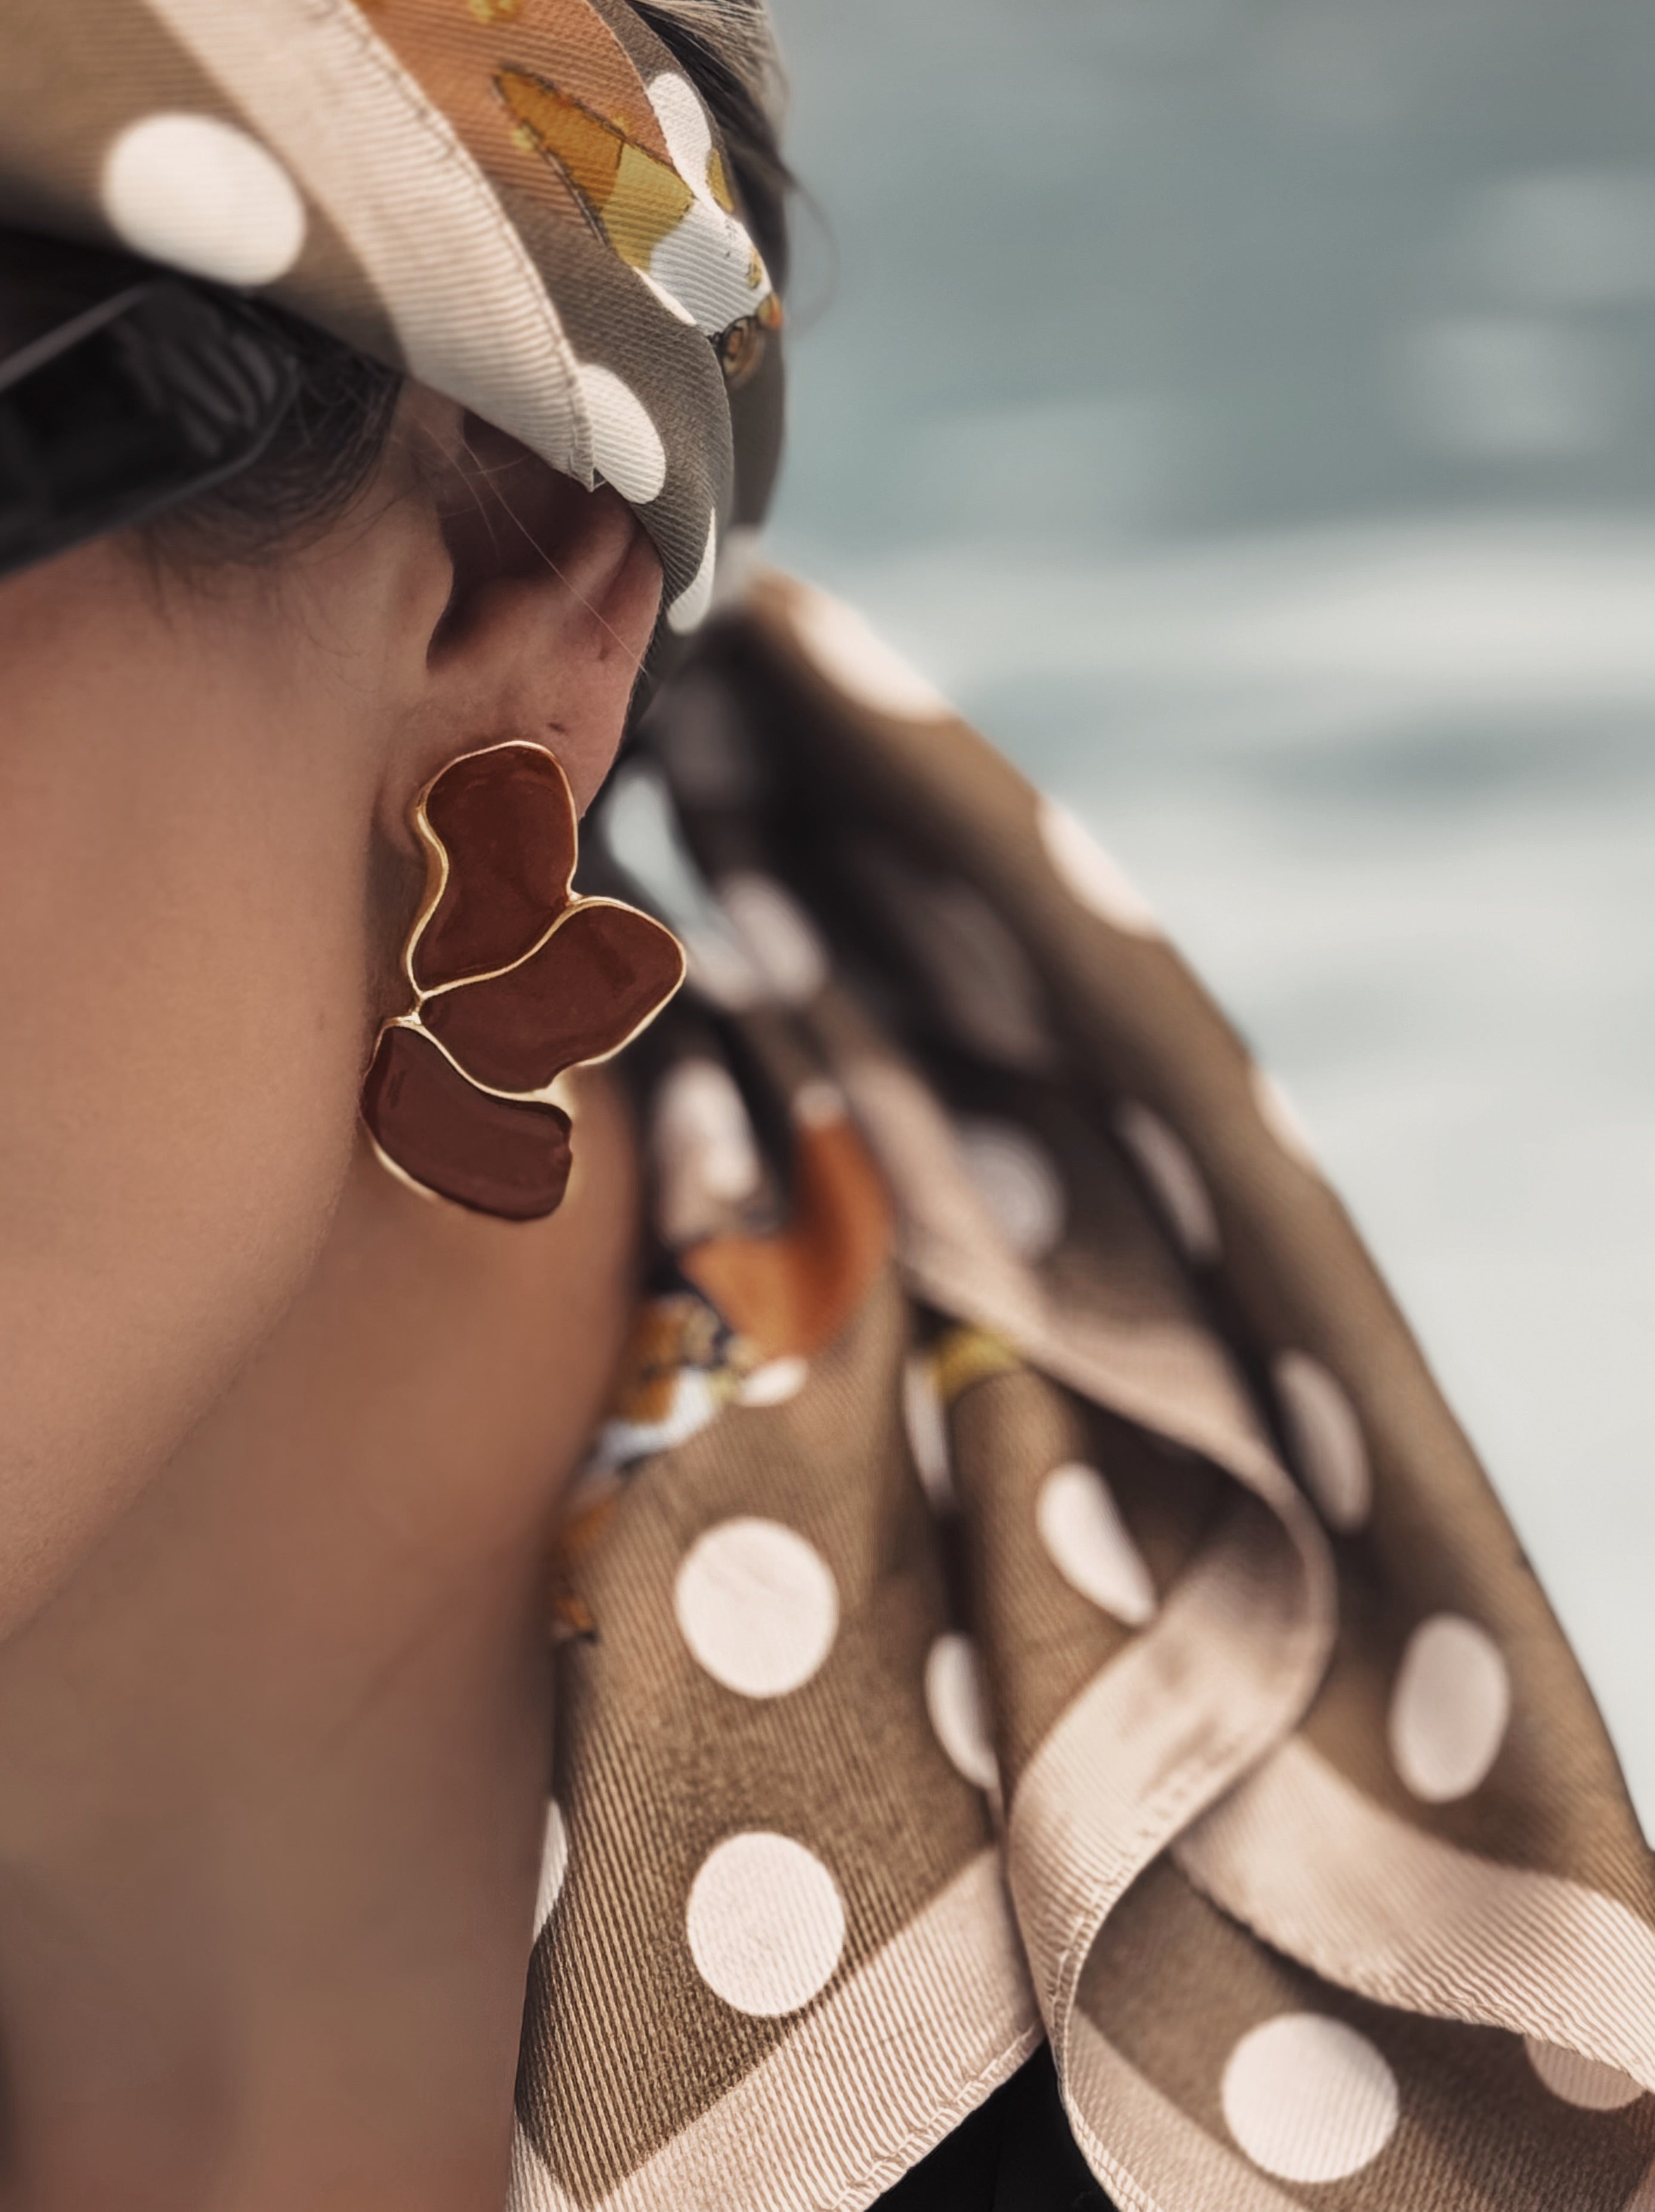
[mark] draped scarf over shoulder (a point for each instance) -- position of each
(1029, 1584)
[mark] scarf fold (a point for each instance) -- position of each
(1029, 1584)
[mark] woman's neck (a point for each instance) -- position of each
(273, 1766)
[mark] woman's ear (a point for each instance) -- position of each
(554, 596)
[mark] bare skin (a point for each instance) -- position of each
(284, 1442)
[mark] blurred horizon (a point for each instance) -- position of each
(1247, 413)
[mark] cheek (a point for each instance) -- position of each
(185, 861)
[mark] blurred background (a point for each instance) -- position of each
(1245, 410)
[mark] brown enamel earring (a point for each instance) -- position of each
(514, 979)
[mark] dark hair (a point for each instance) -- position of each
(332, 432)
(321, 454)
(158, 380)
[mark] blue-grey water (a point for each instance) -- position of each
(1246, 409)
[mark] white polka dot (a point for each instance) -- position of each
(860, 663)
(928, 1431)
(1586, 2082)
(201, 195)
(1090, 1545)
(765, 1922)
(688, 611)
(1168, 1167)
(1018, 1181)
(741, 563)
(757, 1605)
(554, 1865)
(1448, 1709)
(954, 1698)
(1326, 1438)
(775, 1383)
(674, 307)
(1091, 875)
(706, 261)
(683, 125)
(720, 969)
(1283, 1120)
(818, 1103)
(626, 447)
(1309, 2099)
(701, 1116)
(777, 935)
(705, 1156)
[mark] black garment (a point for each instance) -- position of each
(1015, 2154)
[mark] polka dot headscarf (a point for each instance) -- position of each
(1027, 1584)
(523, 203)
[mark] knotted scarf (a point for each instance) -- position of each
(1029, 1584)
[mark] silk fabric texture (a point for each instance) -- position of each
(1030, 1585)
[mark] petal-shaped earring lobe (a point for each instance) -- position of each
(500, 835)
(515, 980)
(437, 1130)
(603, 973)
